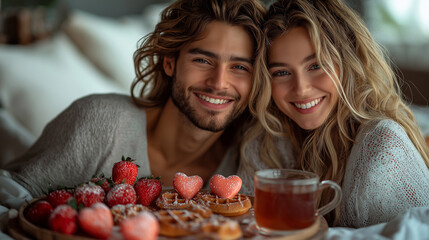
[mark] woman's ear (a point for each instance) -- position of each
(168, 65)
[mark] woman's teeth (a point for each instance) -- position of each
(213, 100)
(308, 105)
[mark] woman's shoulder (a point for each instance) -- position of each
(384, 139)
(381, 124)
(282, 144)
(384, 129)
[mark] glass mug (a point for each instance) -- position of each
(285, 200)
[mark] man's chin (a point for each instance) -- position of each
(210, 126)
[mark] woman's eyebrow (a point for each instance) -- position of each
(308, 58)
(279, 64)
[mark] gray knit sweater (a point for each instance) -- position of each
(86, 139)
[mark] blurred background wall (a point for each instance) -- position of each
(53, 52)
(401, 26)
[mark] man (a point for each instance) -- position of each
(199, 70)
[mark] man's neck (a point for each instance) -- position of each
(175, 139)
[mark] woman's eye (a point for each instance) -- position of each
(280, 73)
(314, 67)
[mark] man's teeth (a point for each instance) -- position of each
(308, 105)
(213, 100)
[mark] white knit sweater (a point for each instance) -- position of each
(385, 174)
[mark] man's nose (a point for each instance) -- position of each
(219, 79)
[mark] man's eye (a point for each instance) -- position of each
(241, 67)
(201, 60)
(314, 67)
(280, 73)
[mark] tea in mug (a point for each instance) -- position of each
(286, 200)
(285, 210)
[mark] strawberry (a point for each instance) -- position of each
(186, 186)
(63, 219)
(147, 190)
(96, 220)
(225, 187)
(143, 226)
(122, 193)
(125, 171)
(88, 194)
(58, 197)
(39, 213)
(103, 182)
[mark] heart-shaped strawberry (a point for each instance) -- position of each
(96, 220)
(143, 226)
(225, 187)
(186, 186)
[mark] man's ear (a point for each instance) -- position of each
(168, 65)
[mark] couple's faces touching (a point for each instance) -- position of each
(300, 87)
(212, 77)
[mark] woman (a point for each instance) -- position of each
(336, 110)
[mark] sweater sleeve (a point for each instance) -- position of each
(72, 148)
(253, 163)
(385, 176)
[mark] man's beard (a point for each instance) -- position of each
(210, 124)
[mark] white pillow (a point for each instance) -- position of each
(108, 42)
(39, 81)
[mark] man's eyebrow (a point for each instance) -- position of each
(203, 52)
(215, 56)
(241, 59)
(279, 64)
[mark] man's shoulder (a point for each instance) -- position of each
(105, 98)
(103, 102)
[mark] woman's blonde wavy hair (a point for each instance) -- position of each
(183, 22)
(367, 85)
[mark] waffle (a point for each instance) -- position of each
(121, 212)
(235, 206)
(172, 200)
(180, 223)
(219, 227)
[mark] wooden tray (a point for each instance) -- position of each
(20, 228)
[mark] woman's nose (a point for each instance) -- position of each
(302, 84)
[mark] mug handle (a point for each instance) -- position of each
(334, 202)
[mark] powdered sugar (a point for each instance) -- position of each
(225, 187)
(121, 194)
(186, 186)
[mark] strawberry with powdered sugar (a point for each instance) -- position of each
(122, 193)
(63, 220)
(58, 197)
(225, 187)
(143, 226)
(148, 189)
(88, 194)
(125, 171)
(186, 186)
(96, 220)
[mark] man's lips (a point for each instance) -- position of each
(213, 100)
